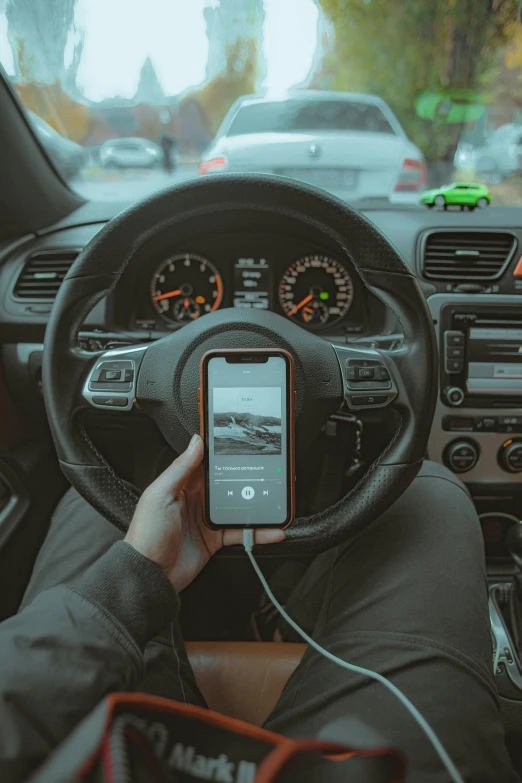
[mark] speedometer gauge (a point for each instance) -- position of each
(316, 291)
(186, 286)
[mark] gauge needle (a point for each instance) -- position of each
(167, 295)
(301, 304)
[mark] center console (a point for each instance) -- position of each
(477, 429)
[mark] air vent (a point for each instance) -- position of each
(467, 255)
(43, 274)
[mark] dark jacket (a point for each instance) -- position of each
(71, 647)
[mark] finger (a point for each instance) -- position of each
(261, 536)
(177, 474)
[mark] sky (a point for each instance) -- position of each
(121, 34)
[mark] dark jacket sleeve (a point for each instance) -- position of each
(71, 647)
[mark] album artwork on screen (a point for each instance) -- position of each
(247, 421)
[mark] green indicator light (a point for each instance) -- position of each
(324, 295)
(279, 470)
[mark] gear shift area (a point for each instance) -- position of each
(507, 630)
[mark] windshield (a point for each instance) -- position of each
(367, 99)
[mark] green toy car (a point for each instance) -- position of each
(467, 195)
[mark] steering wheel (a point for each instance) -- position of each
(162, 377)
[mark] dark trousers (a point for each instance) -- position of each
(406, 597)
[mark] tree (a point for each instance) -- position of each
(239, 78)
(149, 89)
(399, 49)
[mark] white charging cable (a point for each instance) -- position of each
(456, 777)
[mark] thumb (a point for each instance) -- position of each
(178, 473)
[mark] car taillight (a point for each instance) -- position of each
(212, 166)
(412, 176)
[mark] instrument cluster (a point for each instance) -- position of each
(316, 289)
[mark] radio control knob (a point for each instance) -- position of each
(510, 456)
(461, 455)
(453, 395)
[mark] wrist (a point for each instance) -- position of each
(133, 589)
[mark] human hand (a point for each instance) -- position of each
(168, 527)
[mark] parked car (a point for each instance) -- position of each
(130, 153)
(464, 194)
(68, 156)
(350, 144)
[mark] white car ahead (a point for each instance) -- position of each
(130, 152)
(347, 143)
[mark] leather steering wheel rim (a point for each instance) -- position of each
(320, 378)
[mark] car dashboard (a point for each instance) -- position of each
(477, 429)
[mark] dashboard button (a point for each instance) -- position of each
(453, 395)
(452, 338)
(455, 353)
(461, 455)
(454, 365)
(509, 424)
(487, 424)
(510, 456)
(366, 372)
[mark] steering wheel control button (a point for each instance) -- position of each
(452, 338)
(454, 395)
(111, 384)
(461, 455)
(110, 402)
(510, 456)
(376, 399)
(367, 374)
(247, 493)
(110, 375)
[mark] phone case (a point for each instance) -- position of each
(291, 419)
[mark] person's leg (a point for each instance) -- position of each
(77, 537)
(406, 597)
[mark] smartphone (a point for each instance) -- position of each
(247, 425)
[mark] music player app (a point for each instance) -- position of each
(247, 442)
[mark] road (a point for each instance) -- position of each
(99, 184)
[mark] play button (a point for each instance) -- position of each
(248, 493)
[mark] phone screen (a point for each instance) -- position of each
(247, 442)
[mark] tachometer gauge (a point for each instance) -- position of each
(186, 286)
(316, 291)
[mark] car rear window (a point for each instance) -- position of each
(288, 116)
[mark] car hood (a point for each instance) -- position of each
(349, 148)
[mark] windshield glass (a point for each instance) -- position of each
(368, 99)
